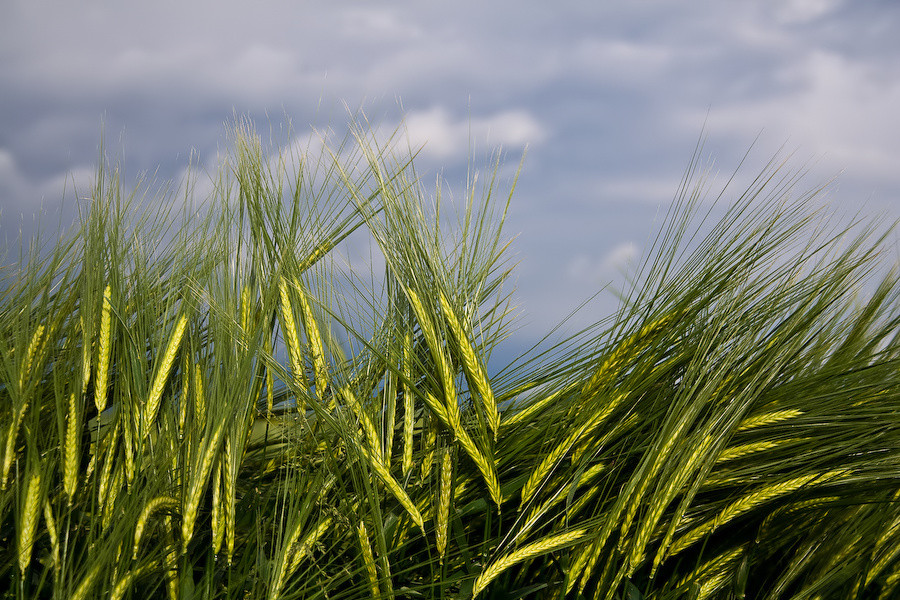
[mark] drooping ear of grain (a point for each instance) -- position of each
(543, 546)
(295, 351)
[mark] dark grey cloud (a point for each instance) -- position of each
(610, 100)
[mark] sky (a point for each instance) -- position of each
(609, 99)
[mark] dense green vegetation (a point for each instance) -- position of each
(211, 404)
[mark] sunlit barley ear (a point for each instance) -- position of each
(444, 495)
(104, 350)
(472, 365)
(532, 550)
(28, 519)
(159, 503)
(159, 381)
(368, 559)
(72, 448)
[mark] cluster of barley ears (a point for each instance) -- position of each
(220, 403)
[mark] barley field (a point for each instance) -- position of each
(201, 398)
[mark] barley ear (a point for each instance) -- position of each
(159, 503)
(28, 519)
(104, 351)
(162, 374)
(289, 326)
(369, 559)
(474, 369)
(529, 551)
(443, 507)
(72, 448)
(320, 367)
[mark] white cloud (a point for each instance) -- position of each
(835, 108)
(441, 136)
(592, 270)
(804, 11)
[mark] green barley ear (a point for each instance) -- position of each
(28, 519)
(473, 367)
(72, 448)
(527, 552)
(159, 503)
(151, 407)
(104, 350)
(368, 559)
(295, 351)
(445, 493)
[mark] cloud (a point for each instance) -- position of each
(442, 136)
(586, 269)
(834, 107)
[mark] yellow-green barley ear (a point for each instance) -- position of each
(295, 352)
(53, 532)
(86, 350)
(409, 407)
(159, 503)
(28, 518)
(442, 524)
(151, 408)
(72, 448)
(532, 550)
(476, 374)
(442, 363)
(199, 477)
(368, 559)
(104, 351)
(314, 337)
(393, 486)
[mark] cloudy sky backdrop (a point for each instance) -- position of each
(610, 99)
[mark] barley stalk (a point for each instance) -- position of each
(369, 559)
(162, 374)
(472, 365)
(158, 503)
(529, 551)
(28, 519)
(104, 350)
